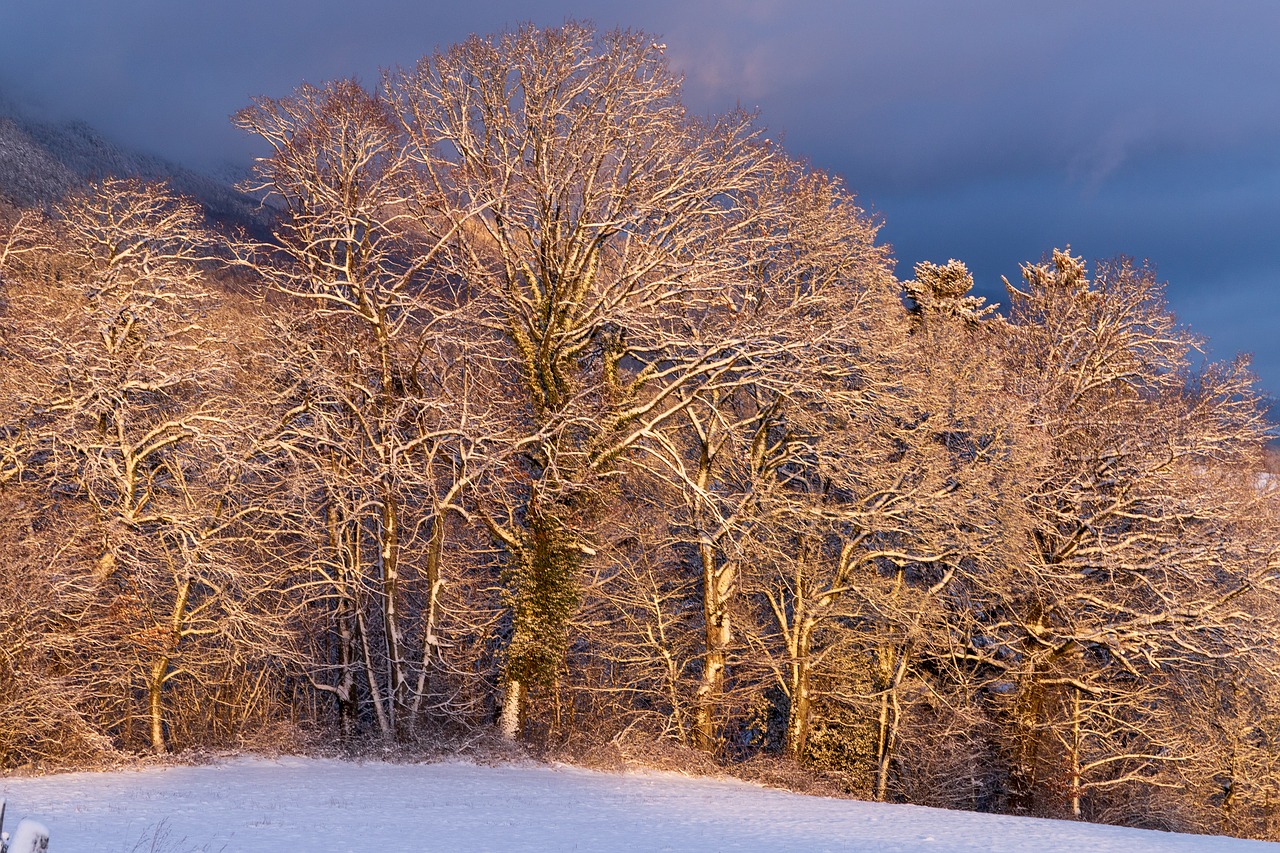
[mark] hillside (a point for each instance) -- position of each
(299, 804)
(40, 161)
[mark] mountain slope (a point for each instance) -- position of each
(305, 804)
(40, 161)
(29, 174)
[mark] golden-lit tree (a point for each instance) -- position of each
(125, 415)
(1134, 567)
(594, 225)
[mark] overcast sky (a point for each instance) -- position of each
(989, 131)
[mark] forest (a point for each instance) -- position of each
(551, 413)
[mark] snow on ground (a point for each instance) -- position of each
(297, 805)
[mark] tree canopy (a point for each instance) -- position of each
(554, 411)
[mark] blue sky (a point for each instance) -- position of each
(985, 130)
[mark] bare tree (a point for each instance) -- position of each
(1132, 559)
(122, 416)
(379, 394)
(593, 223)
(879, 536)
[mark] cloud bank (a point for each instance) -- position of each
(989, 131)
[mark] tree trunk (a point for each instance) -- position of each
(717, 585)
(798, 629)
(340, 540)
(430, 642)
(798, 714)
(348, 705)
(389, 559)
(160, 667)
(718, 580)
(895, 667)
(544, 594)
(512, 707)
(375, 691)
(1026, 758)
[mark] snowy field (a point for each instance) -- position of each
(296, 805)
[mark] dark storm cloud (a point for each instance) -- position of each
(987, 131)
(165, 76)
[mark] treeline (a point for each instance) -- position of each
(554, 410)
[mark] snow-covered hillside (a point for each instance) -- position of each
(41, 161)
(296, 804)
